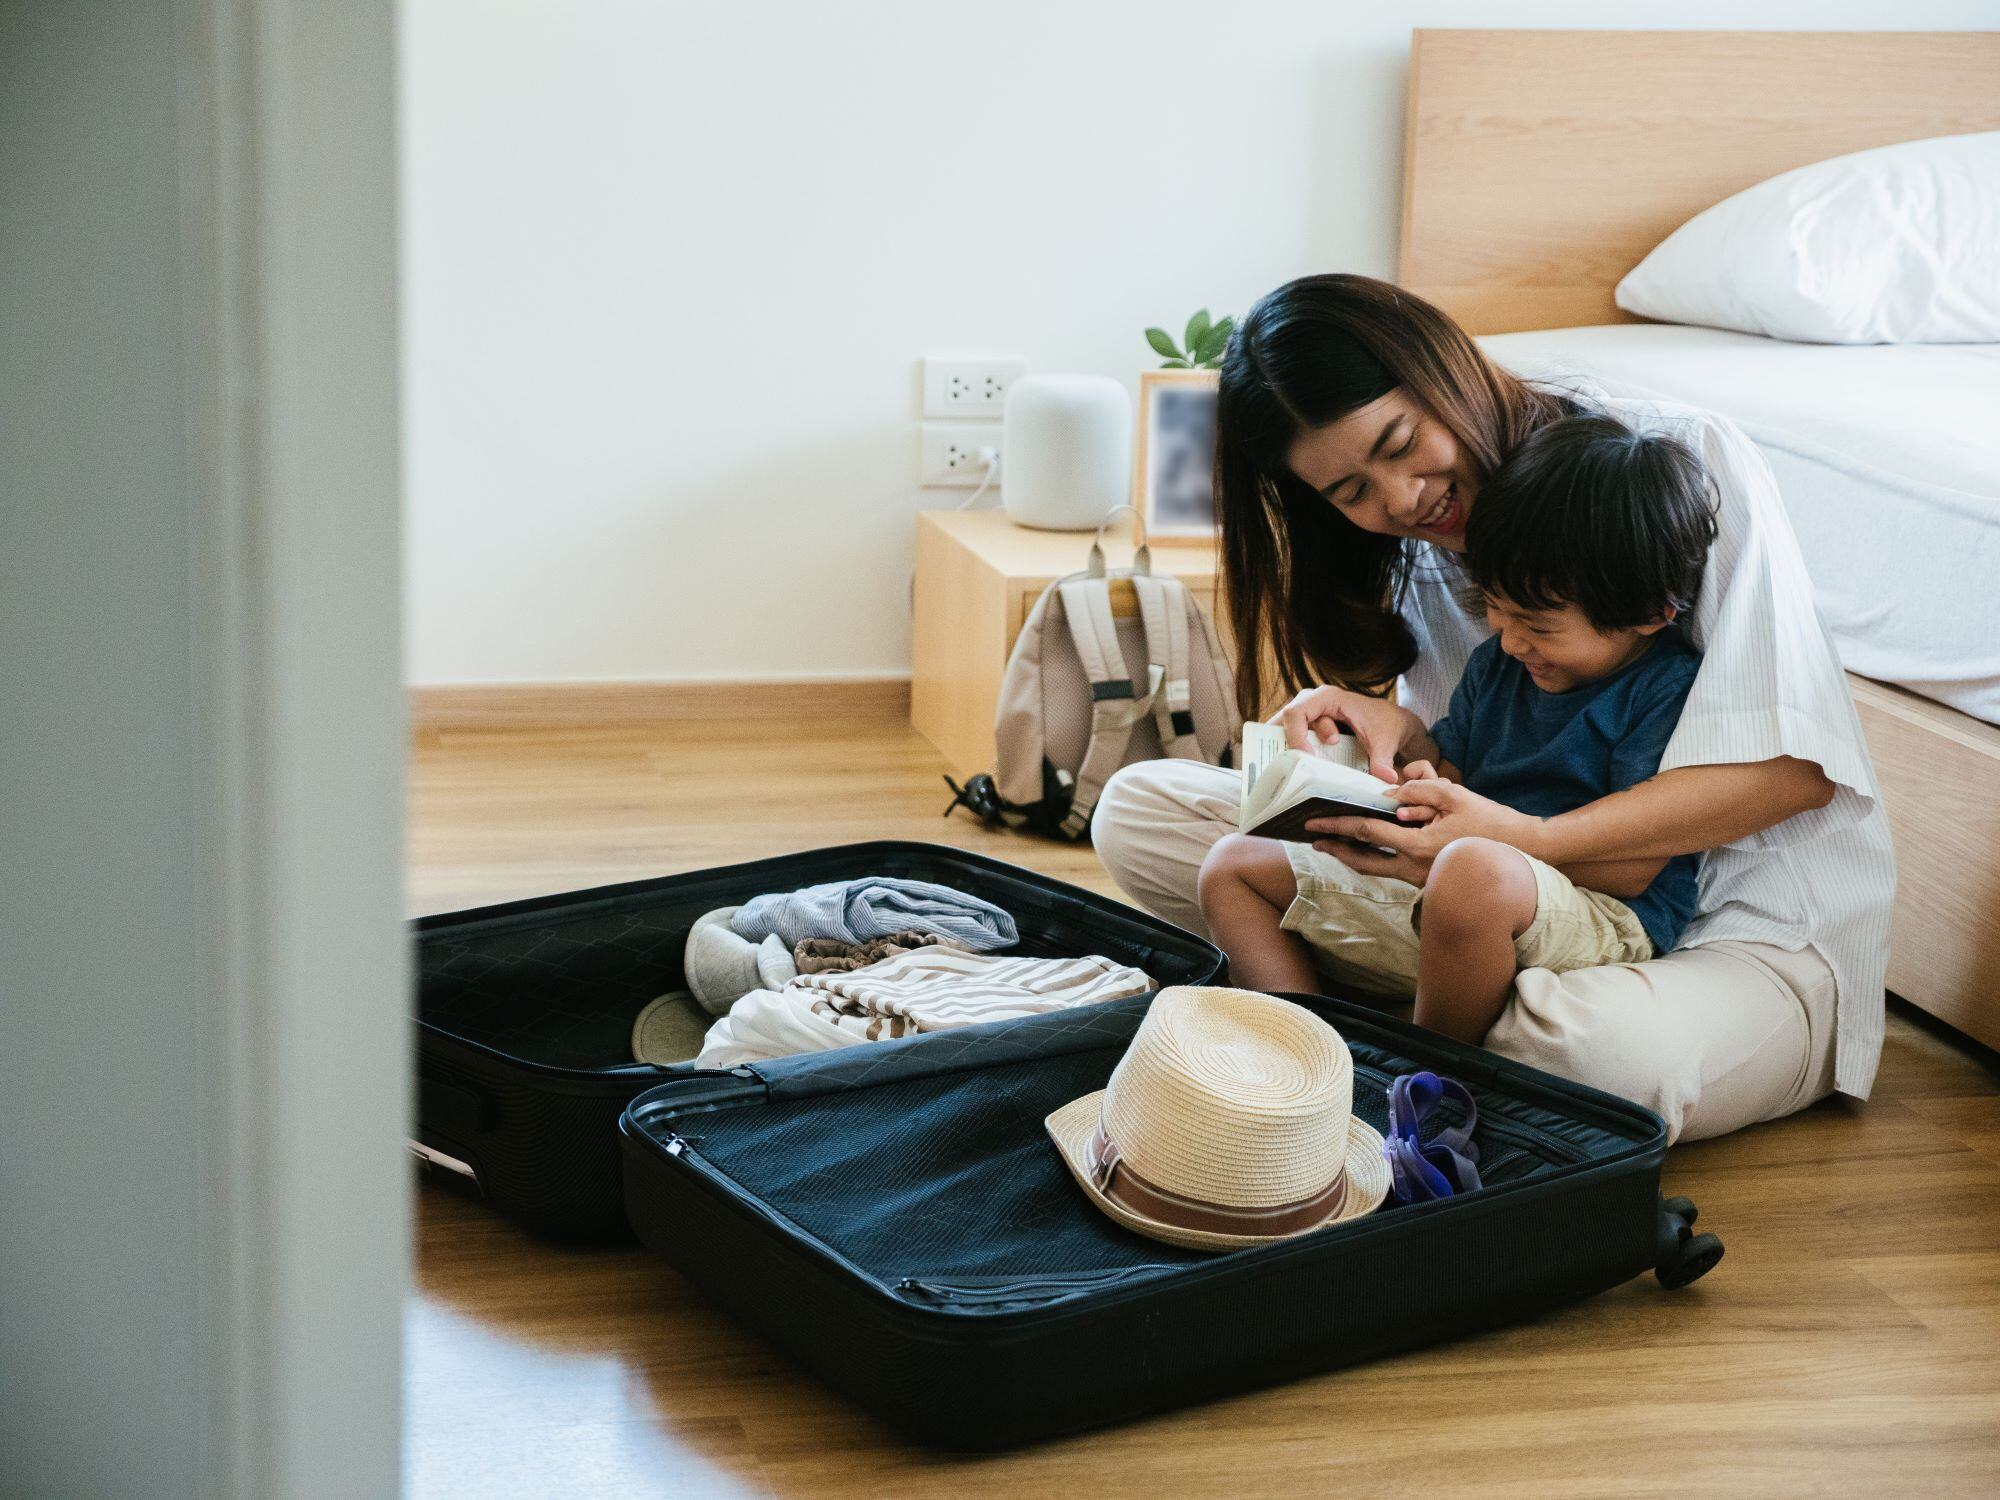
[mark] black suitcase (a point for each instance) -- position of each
(896, 1218)
(525, 1011)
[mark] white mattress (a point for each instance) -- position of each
(1888, 457)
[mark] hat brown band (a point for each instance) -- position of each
(1116, 1180)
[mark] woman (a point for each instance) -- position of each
(1355, 424)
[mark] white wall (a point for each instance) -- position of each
(669, 267)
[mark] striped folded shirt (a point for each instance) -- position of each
(926, 989)
(930, 989)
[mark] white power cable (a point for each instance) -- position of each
(991, 455)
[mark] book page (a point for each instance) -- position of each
(1278, 780)
(1263, 743)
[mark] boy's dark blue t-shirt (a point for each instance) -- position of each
(1547, 753)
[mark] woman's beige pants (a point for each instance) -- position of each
(1711, 1038)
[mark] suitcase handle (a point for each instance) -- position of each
(454, 1111)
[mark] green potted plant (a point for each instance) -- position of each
(1205, 342)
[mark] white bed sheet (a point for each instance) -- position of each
(1888, 457)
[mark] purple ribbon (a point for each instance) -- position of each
(1445, 1165)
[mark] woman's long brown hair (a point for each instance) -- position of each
(1309, 591)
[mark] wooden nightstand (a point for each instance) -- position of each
(978, 575)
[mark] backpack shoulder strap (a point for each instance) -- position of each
(1019, 737)
(1163, 608)
(1116, 702)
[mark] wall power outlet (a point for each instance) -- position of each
(969, 387)
(951, 452)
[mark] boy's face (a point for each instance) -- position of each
(1560, 647)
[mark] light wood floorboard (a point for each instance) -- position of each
(1848, 1345)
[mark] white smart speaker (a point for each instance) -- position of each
(1066, 451)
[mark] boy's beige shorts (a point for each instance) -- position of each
(1711, 1038)
(1364, 928)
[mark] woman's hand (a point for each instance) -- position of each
(1433, 813)
(1383, 728)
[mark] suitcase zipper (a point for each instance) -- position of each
(983, 1292)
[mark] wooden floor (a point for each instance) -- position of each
(1848, 1345)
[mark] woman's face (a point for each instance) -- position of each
(1391, 467)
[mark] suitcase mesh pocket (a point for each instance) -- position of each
(968, 1185)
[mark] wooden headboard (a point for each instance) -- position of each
(1540, 166)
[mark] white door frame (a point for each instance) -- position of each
(288, 156)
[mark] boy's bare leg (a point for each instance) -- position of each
(1246, 885)
(1479, 897)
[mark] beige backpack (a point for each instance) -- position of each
(1112, 666)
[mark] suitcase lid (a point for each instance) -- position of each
(921, 1167)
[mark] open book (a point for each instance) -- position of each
(1283, 787)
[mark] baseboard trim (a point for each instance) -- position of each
(548, 705)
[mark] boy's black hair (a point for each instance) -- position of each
(1589, 512)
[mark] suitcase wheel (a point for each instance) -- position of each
(1682, 1255)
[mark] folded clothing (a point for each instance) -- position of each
(927, 989)
(856, 910)
(836, 956)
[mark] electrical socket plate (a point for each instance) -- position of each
(968, 387)
(951, 452)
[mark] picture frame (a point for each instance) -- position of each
(1173, 470)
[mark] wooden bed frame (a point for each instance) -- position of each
(1540, 166)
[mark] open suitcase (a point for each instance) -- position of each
(525, 1010)
(896, 1218)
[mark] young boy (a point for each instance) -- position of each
(1585, 546)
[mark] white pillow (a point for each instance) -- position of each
(1899, 245)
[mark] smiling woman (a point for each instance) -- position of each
(1357, 425)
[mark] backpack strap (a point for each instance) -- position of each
(1116, 703)
(1163, 608)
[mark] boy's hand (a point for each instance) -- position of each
(1416, 814)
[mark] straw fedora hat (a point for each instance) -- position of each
(1228, 1123)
